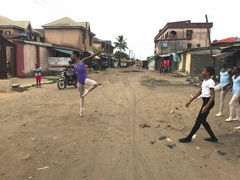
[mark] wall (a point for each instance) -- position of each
(68, 37)
(65, 37)
(172, 46)
(44, 59)
(188, 69)
(30, 58)
(19, 59)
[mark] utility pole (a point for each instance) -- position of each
(209, 38)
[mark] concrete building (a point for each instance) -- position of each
(67, 32)
(181, 35)
(10, 29)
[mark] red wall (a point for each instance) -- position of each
(19, 59)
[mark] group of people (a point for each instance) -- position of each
(229, 79)
(164, 66)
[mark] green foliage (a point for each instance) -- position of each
(120, 55)
(22, 89)
(121, 43)
(95, 49)
(54, 80)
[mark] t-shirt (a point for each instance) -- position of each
(236, 85)
(206, 85)
(37, 71)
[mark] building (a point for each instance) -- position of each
(181, 35)
(16, 29)
(66, 32)
(105, 45)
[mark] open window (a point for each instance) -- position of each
(173, 34)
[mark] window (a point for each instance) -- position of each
(189, 34)
(164, 44)
(198, 45)
(90, 40)
(7, 32)
(189, 46)
(34, 38)
(173, 34)
(83, 38)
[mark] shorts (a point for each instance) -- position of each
(38, 78)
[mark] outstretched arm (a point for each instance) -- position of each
(194, 97)
(89, 57)
(66, 66)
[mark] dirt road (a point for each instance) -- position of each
(130, 131)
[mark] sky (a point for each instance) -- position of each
(138, 21)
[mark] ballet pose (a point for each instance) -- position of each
(234, 103)
(79, 66)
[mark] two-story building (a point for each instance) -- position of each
(10, 29)
(66, 32)
(105, 45)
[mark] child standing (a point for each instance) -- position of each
(208, 94)
(234, 103)
(37, 71)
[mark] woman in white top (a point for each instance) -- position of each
(208, 94)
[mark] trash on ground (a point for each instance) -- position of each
(42, 168)
(144, 125)
(163, 137)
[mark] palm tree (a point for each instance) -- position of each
(121, 44)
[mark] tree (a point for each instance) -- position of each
(121, 44)
(120, 55)
(95, 49)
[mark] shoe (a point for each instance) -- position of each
(185, 140)
(229, 119)
(236, 119)
(81, 113)
(36, 86)
(211, 139)
(40, 86)
(219, 114)
(237, 128)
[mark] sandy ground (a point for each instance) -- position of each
(42, 136)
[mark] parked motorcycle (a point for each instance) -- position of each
(68, 78)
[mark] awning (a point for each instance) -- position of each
(152, 57)
(224, 54)
(165, 55)
(175, 57)
(63, 51)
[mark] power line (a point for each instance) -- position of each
(45, 7)
(60, 5)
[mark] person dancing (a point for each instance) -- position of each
(79, 66)
(234, 103)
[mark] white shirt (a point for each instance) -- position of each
(206, 85)
(37, 71)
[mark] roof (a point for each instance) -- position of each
(97, 40)
(10, 23)
(182, 24)
(226, 40)
(68, 23)
(14, 36)
(64, 22)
